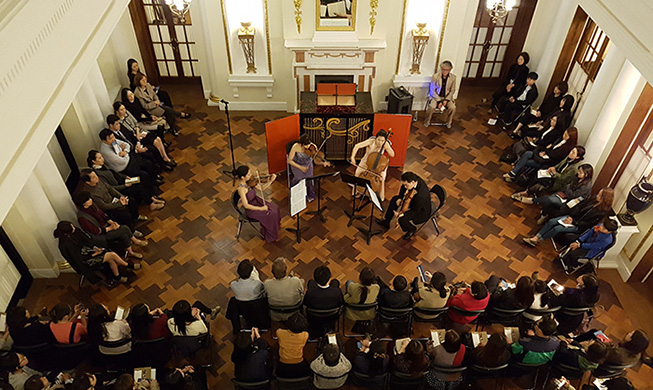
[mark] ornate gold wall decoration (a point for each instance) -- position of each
(374, 4)
(267, 35)
(444, 25)
(298, 15)
(226, 36)
(246, 38)
(401, 36)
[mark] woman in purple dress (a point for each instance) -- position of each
(267, 213)
(301, 164)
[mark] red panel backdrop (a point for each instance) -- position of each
(277, 134)
(400, 125)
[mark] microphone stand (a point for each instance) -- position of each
(232, 173)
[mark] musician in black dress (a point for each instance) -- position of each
(414, 191)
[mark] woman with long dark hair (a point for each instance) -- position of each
(102, 327)
(431, 296)
(562, 112)
(148, 324)
(190, 320)
(364, 292)
(411, 358)
(371, 359)
(450, 353)
(550, 104)
(66, 326)
(492, 354)
(520, 297)
(266, 212)
(516, 76)
(580, 188)
(133, 69)
(251, 357)
(585, 294)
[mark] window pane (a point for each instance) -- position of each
(477, 53)
(501, 53)
(168, 51)
(474, 35)
(158, 51)
(473, 67)
(193, 55)
(487, 70)
(506, 35)
(496, 35)
(154, 33)
(491, 54)
(165, 34)
(482, 33)
(187, 68)
(497, 69)
(466, 70)
(173, 69)
(469, 53)
(163, 71)
(183, 52)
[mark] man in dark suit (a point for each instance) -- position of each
(396, 298)
(419, 208)
(518, 99)
(322, 293)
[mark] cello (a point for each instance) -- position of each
(376, 162)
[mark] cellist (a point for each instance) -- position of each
(412, 206)
(372, 145)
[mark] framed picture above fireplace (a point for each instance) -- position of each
(335, 15)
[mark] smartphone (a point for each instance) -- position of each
(601, 336)
(422, 274)
(332, 339)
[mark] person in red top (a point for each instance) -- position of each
(474, 298)
(68, 326)
(148, 324)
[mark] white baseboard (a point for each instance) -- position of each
(254, 106)
(617, 263)
(49, 273)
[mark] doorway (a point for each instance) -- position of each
(494, 46)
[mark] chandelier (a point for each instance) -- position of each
(498, 9)
(179, 7)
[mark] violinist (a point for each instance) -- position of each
(411, 207)
(266, 213)
(373, 145)
(300, 159)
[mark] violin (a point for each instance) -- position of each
(253, 182)
(377, 162)
(405, 202)
(316, 153)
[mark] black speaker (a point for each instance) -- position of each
(400, 101)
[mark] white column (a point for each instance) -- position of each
(595, 102)
(29, 224)
(457, 34)
(99, 89)
(55, 189)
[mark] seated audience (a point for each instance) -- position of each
(591, 243)
(494, 353)
(291, 348)
(411, 359)
(543, 298)
(186, 378)
(585, 358)
(578, 188)
(371, 358)
(561, 175)
(322, 293)
(96, 223)
(580, 218)
(630, 350)
(148, 324)
(519, 99)
(364, 292)
(585, 294)
(138, 191)
(520, 297)
(331, 368)
(562, 113)
(441, 93)
(537, 138)
(15, 364)
(474, 298)
(396, 298)
(127, 382)
(516, 76)
(449, 353)
(85, 381)
(103, 328)
(283, 290)
(38, 382)
(26, 330)
(265, 212)
(619, 383)
(136, 148)
(190, 320)
(134, 106)
(81, 249)
(132, 70)
(550, 103)
(118, 156)
(431, 296)
(544, 157)
(248, 286)
(145, 93)
(68, 326)
(540, 346)
(251, 357)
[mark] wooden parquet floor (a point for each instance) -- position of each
(193, 252)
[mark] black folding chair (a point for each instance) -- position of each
(251, 385)
(469, 313)
(607, 371)
(39, 355)
(373, 382)
(325, 315)
(359, 307)
(151, 353)
(68, 356)
(305, 382)
(436, 314)
(589, 265)
(497, 315)
(441, 194)
(477, 372)
(242, 217)
(285, 309)
(403, 317)
(401, 380)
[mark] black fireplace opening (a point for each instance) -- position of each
(334, 79)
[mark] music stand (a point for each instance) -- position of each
(355, 181)
(297, 200)
(376, 202)
(317, 178)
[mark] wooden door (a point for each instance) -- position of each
(166, 42)
(495, 46)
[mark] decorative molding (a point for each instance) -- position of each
(329, 55)
(444, 25)
(15, 70)
(374, 4)
(226, 36)
(298, 15)
(255, 106)
(267, 36)
(401, 36)
(251, 81)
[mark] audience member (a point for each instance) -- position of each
(283, 290)
(431, 296)
(26, 330)
(590, 244)
(442, 90)
(371, 359)
(15, 364)
(562, 113)
(134, 106)
(186, 378)
(85, 381)
(583, 358)
(494, 353)
(127, 382)
(80, 249)
(560, 175)
(449, 353)
(68, 326)
(396, 298)
(535, 139)
(578, 188)
(149, 99)
(103, 328)
(540, 346)
(322, 293)
(136, 149)
(291, 348)
(550, 103)
(132, 70)
(474, 298)
(364, 292)
(38, 382)
(520, 297)
(585, 294)
(516, 76)
(411, 358)
(248, 286)
(543, 298)
(117, 156)
(148, 324)
(331, 368)
(519, 99)
(190, 320)
(251, 357)
(630, 350)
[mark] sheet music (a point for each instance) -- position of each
(297, 197)
(374, 197)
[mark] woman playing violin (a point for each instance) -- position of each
(267, 213)
(411, 207)
(373, 145)
(301, 159)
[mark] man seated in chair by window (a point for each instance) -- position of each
(519, 98)
(441, 92)
(412, 206)
(590, 244)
